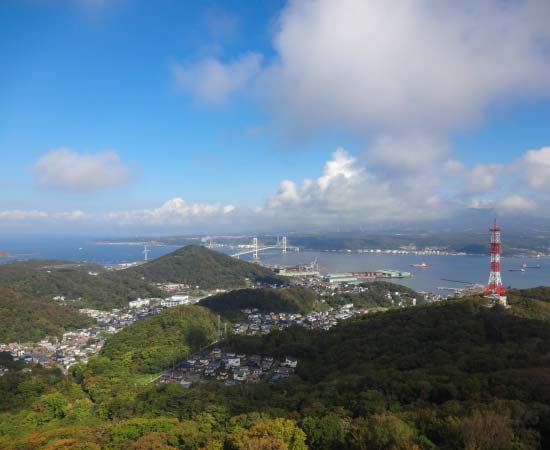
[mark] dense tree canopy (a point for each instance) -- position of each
(292, 300)
(81, 284)
(455, 375)
(156, 342)
(24, 317)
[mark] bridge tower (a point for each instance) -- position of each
(145, 253)
(284, 245)
(255, 256)
(495, 290)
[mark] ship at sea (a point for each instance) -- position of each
(419, 265)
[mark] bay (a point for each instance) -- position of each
(440, 268)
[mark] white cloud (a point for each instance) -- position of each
(348, 193)
(405, 74)
(515, 203)
(481, 178)
(212, 81)
(66, 170)
(173, 212)
(409, 152)
(405, 64)
(18, 215)
(35, 216)
(535, 168)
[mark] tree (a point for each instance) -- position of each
(487, 432)
(271, 434)
(325, 433)
(384, 431)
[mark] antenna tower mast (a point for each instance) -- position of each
(495, 290)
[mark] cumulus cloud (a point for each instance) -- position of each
(402, 76)
(212, 81)
(402, 65)
(481, 178)
(535, 168)
(173, 212)
(66, 170)
(347, 192)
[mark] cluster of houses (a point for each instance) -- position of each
(258, 323)
(74, 347)
(229, 369)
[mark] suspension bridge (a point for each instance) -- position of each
(255, 248)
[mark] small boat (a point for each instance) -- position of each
(516, 270)
(525, 266)
(420, 265)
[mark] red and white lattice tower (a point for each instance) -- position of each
(494, 288)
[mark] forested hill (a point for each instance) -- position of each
(81, 284)
(198, 266)
(292, 300)
(27, 318)
(156, 342)
(452, 376)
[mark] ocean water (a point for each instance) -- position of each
(440, 268)
(468, 269)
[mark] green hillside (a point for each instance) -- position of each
(198, 266)
(87, 284)
(452, 376)
(155, 342)
(292, 300)
(27, 318)
(531, 303)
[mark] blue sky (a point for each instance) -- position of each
(206, 102)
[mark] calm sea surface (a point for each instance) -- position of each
(471, 269)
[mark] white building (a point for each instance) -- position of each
(175, 300)
(291, 362)
(139, 303)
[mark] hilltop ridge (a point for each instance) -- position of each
(196, 265)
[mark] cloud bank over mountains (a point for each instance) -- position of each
(346, 192)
